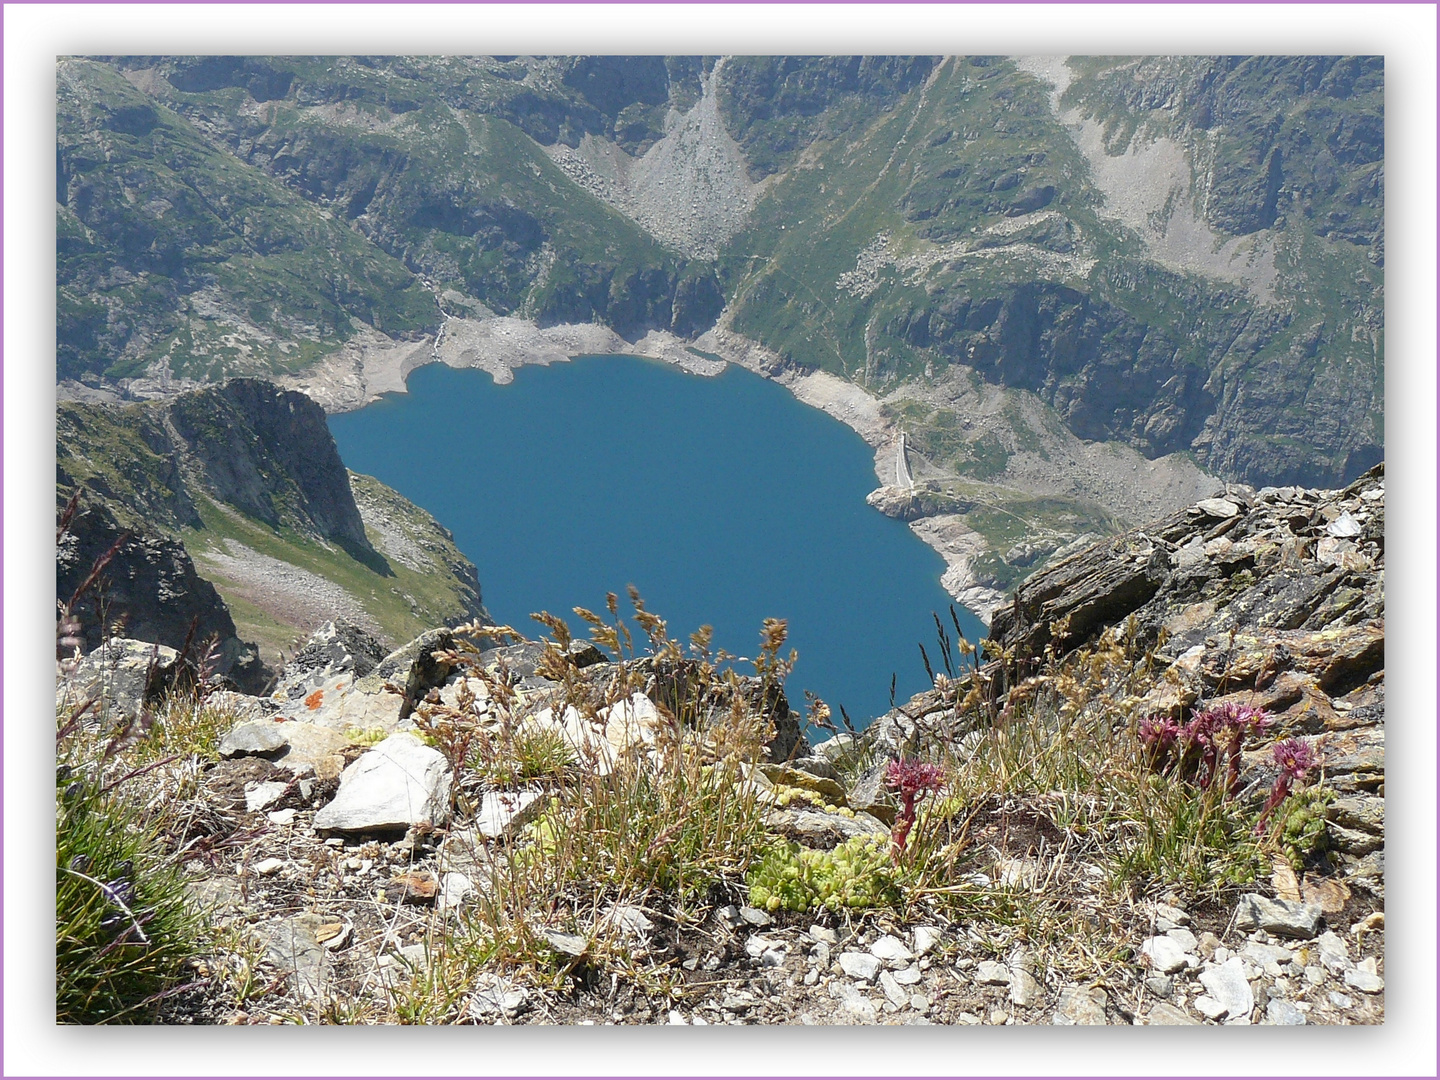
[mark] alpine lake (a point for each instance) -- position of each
(723, 500)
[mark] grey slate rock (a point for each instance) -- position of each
(259, 738)
(1256, 912)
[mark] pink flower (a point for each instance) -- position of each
(912, 779)
(1295, 757)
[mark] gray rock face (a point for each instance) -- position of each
(817, 829)
(151, 583)
(870, 795)
(414, 666)
(270, 435)
(115, 675)
(398, 784)
(334, 649)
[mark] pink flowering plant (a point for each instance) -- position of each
(1208, 744)
(911, 780)
(1294, 758)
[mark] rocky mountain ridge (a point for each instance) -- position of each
(244, 480)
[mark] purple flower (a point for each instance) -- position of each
(1159, 731)
(912, 779)
(1295, 757)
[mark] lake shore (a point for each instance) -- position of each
(372, 365)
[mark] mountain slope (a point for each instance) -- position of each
(1013, 258)
(236, 499)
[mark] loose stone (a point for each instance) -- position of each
(1365, 981)
(1283, 1013)
(1080, 1006)
(258, 738)
(926, 938)
(502, 812)
(1164, 1014)
(1162, 986)
(1228, 986)
(896, 993)
(859, 965)
(1277, 916)
(892, 949)
(755, 917)
(1025, 991)
(992, 973)
(1166, 955)
(496, 996)
(1182, 937)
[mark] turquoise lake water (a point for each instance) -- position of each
(723, 500)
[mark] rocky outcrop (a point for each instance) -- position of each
(252, 457)
(1276, 561)
(1273, 599)
(149, 590)
(268, 453)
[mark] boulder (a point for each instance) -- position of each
(258, 738)
(402, 782)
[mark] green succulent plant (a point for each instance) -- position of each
(857, 874)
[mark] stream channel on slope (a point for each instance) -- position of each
(724, 500)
